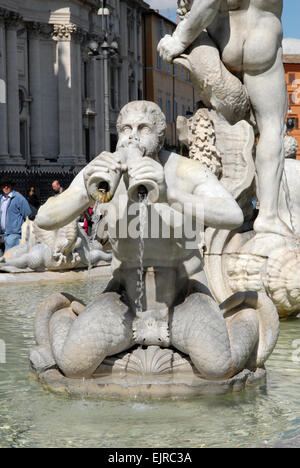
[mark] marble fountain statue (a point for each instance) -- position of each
(173, 320)
(169, 337)
(66, 248)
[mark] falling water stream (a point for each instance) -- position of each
(96, 217)
(143, 203)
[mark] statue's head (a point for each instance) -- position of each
(142, 124)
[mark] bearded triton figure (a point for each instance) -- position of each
(175, 307)
(219, 40)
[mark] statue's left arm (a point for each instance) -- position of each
(199, 194)
(202, 13)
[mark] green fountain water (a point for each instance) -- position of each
(33, 417)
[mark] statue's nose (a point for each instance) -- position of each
(134, 135)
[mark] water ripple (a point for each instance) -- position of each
(32, 417)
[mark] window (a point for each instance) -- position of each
(292, 123)
(182, 72)
(87, 145)
(130, 28)
(292, 78)
(169, 115)
(175, 110)
(117, 25)
(85, 80)
(160, 103)
(112, 88)
(23, 139)
(183, 110)
(159, 62)
(291, 99)
(160, 29)
(140, 92)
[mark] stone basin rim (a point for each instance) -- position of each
(128, 387)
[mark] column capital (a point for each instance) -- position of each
(34, 29)
(3, 13)
(12, 19)
(67, 32)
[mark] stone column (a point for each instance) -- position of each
(77, 98)
(13, 86)
(99, 106)
(124, 84)
(69, 92)
(36, 127)
(3, 96)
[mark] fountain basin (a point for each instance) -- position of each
(263, 415)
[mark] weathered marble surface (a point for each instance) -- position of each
(244, 261)
(147, 373)
(233, 52)
(176, 307)
(237, 261)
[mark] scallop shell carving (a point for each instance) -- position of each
(150, 361)
(282, 280)
(277, 275)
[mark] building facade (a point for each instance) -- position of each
(167, 85)
(52, 90)
(292, 74)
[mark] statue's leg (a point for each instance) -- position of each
(267, 92)
(218, 349)
(79, 345)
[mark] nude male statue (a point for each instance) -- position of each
(177, 307)
(248, 34)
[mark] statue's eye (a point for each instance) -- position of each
(126, 129)
(145, 129)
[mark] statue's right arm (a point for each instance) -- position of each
(64, 208)
(201, 15)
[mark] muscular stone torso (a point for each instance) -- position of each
(248, 34)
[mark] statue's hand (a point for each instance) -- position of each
(170, 47)
(107, 167)
(149, 169)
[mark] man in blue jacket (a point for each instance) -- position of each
(14, 209)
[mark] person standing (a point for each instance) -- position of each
(33, 201)
(57, 188)
(14, 209)
(88, 220)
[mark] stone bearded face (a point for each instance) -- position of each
(141, 125)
